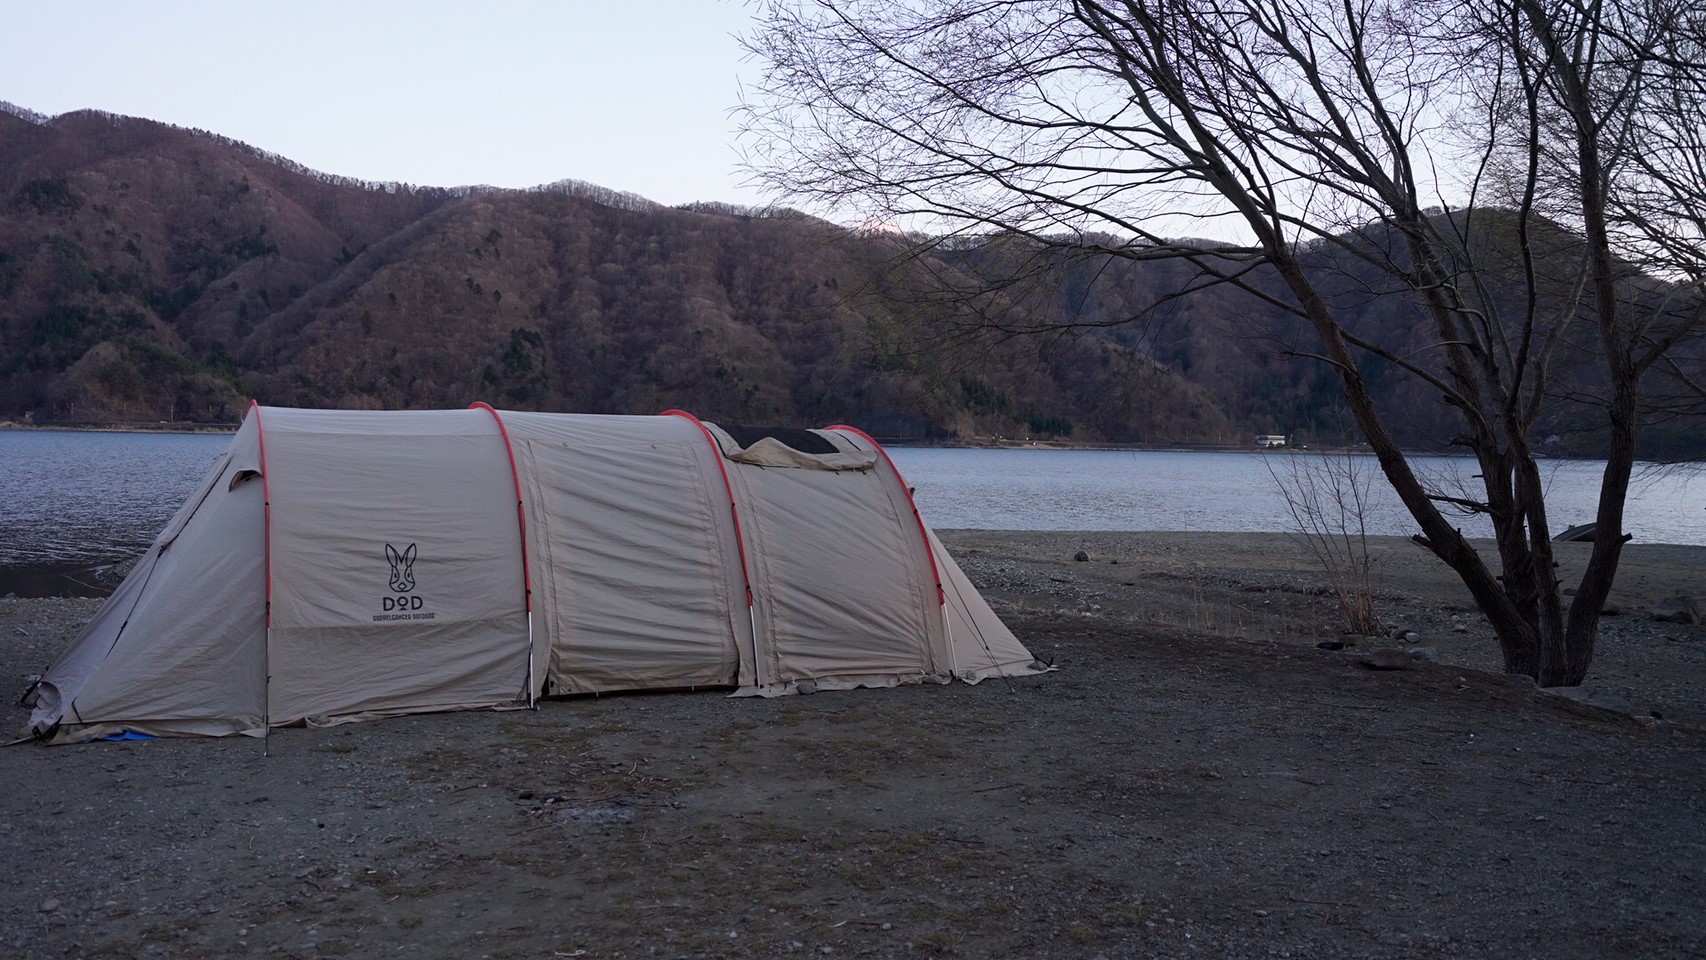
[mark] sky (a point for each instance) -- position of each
(632, 96)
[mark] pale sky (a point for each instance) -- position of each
(632, 96)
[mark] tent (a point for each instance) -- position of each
(342, 565)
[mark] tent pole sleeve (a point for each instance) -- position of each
(734, 511)
(923, 535)
(266, 553)
(521, 529)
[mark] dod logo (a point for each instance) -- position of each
(406, 605)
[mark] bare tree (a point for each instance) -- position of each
(1529, 174)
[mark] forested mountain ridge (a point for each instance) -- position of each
(152, 272)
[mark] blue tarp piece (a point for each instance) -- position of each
(128, 735)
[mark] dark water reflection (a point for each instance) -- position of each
(74, 504)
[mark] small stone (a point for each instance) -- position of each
(805, 688)
(1330, 645)
(1261, 913)
(50, 904)
(1387, 658)
(1424, 654)
(1610, 610)
(1081, 556)
(1678, 609)
(20, 631)
(1460, 628)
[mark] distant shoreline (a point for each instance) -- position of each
(140, 426)
(944, 443)
(966, 443)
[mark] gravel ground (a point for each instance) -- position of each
(1196, 780)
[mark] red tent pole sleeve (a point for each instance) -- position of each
(929, 554)
(734, 511)
(266, 562)
(520, 509)
(266, 505)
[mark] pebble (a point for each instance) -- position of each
(1081, 556)
(50, 904)
(1387, 658)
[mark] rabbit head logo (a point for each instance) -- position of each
(402, 568)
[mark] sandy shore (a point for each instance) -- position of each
(1198, 779)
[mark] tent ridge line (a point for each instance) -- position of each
(521, 527)
(728, 485)
(734, 518)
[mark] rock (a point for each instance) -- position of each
(805, 688)
(1331, 645)
(1521, 678)
(1424, 654)
(1460, 628)
(1676, 610)
(1081, 556)
(1387, 658)
(50, 904)
(1610, 610)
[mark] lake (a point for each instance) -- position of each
(77, 500)
(1036, 489)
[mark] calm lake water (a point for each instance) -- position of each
(1234, 491)
(86, 499)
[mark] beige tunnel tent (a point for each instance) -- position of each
(338, 565)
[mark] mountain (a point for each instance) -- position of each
(153, 272)
(149, 272)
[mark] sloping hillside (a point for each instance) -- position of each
(152, 272)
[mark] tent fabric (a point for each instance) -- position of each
(344, 565)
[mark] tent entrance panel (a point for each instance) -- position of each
(844, 593)
(639, 597)
(178, 649)
(396, 569)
